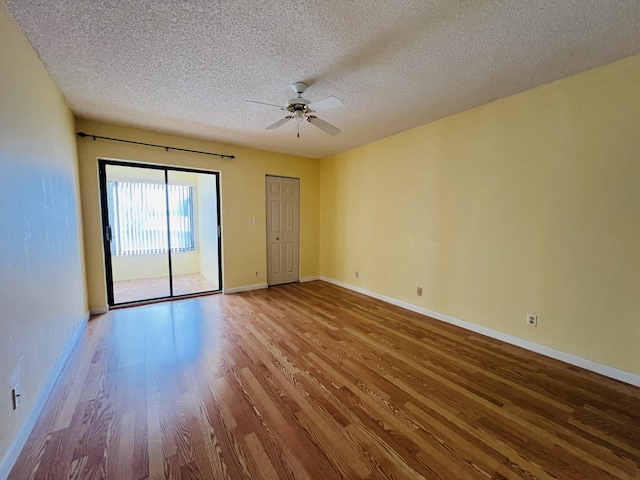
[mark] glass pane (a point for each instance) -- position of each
(193, 220)
(136, 200)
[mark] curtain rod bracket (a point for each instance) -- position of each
(166, 148)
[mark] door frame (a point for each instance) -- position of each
(104, 210)
(266, 231)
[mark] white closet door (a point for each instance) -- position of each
(283, 229)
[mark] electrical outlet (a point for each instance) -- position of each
(357, 274)
(532, 319)
(15, 395)
(255, 273)
(419, 291)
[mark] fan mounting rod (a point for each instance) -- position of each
(298, 104)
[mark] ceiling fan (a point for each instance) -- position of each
(302, 109)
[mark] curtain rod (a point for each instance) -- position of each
(82, 134)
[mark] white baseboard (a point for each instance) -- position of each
(590, 365)
(245, 288)
(99, 310)
(18, 443)
(309, 279)
(258, 286)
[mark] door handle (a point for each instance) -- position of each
(108, 233)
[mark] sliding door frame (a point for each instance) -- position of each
(104, 209)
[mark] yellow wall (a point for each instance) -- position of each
(243, 199)
(42, 291)
(528, 204)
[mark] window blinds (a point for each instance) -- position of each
(138, 217)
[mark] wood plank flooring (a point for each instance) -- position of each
(312, 381)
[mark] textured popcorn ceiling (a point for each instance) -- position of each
(187, 67)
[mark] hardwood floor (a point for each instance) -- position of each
(312, 381)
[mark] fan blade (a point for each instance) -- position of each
(268, 104)
(324, 126)
(325, 104)
(279, 123)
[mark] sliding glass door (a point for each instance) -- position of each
(194, 227)
(161, 231)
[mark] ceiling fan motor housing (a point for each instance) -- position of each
(297, 104)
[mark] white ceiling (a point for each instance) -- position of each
(187, 67)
